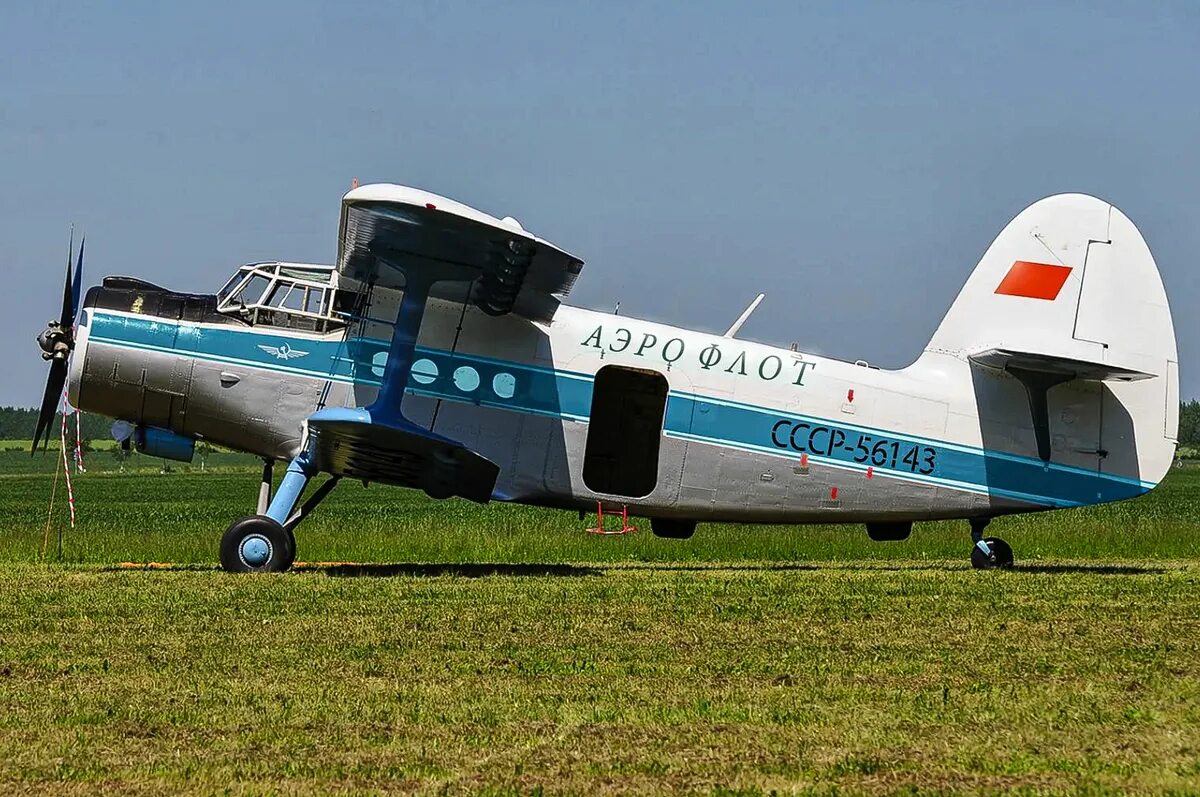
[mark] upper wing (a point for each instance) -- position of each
(509, 269)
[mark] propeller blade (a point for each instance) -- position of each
(68, 311)
(77, 284)
(54, 387)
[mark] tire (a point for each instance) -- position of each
(291, 560)
(672, 528)
(256, 544)
(1002, 555)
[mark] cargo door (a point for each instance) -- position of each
(624, 437)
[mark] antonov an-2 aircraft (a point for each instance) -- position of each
(436, 354)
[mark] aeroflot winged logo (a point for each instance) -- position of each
(284, 352)
(1033, 280)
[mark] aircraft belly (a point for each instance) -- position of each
(758, 487)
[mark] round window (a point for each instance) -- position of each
(504, 385)
(379, 362)
(466, 378)
(424, 371)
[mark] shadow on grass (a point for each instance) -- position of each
(702, 567)
(881, 565)
(462, 569)
(546, 570)
(1099, 570)
(1047, 569)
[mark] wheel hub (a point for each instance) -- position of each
(255, 550)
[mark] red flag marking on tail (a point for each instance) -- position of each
(1033, 280)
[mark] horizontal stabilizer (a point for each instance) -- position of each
(1007, 360)
(348, 442)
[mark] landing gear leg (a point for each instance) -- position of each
(264, 489)
(265, 542)
(988, 553)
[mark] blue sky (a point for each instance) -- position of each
(851, 160)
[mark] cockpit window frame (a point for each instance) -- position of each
(309, 278)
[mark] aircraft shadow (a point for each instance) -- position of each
(713, 567)
(1048, 569)
(1100, 570)
(546, 570)
(461, 569)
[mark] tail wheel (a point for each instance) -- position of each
(257, 544)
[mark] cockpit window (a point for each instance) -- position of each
(314, 302)
(292, 295)
(252, 291)
(287, 295)
(234, 281)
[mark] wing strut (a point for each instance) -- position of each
(377, 443)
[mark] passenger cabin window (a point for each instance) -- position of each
(289, 295)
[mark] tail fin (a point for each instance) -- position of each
(1069, 291)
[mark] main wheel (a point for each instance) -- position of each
(1002, 555)
(257, 544)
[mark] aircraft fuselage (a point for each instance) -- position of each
(573, 411)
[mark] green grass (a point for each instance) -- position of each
(143, 515)
(621, 678)
(103, 444)
(503, 650)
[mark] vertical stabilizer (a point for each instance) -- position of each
(1068, 304)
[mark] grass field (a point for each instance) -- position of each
(503, 650)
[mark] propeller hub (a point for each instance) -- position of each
(55, 341)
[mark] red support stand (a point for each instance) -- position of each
(599, 527)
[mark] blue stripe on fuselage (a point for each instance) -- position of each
(566, 394)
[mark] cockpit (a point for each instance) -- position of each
(300, 296)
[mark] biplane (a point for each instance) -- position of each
(436, 353)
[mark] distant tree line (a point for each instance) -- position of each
(1189, 423)
(18, 424)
